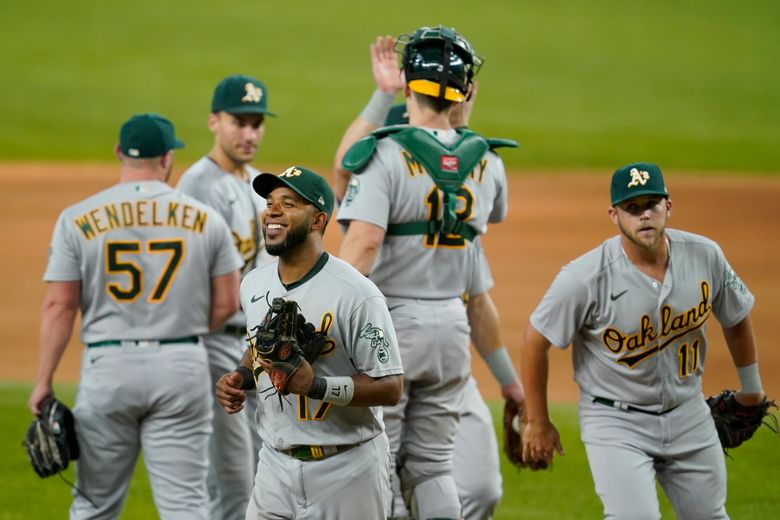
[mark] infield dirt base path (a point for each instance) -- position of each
(554, 217)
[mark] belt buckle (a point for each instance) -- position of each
(317, 452)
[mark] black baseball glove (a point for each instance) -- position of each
(51, 439)
(513, 439)
(737, 423)
(285, 339)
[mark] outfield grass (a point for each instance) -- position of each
(565, 492)
(580, 83)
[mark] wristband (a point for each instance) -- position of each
(375, 112)
(338, 390)
(500, 364)
(318, 388)
(749, 379)
(247, 379)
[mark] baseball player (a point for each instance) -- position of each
(151, 270)
(419, 196)
(475, 465)
(635, 310)
(324, 453)
(222, 179)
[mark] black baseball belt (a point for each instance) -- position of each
(305, 452)
(627, 407)
(236, 330)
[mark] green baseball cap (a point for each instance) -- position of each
(239, 94)
(636, 179)
(302, 181)
(147, 135)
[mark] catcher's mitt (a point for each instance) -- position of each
(737, 423)
(285, 339)
(513, 441)
(51, 439)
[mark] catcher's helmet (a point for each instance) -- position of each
(438, 62)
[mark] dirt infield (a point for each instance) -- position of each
(553, 218)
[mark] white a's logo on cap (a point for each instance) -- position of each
(290, 172)
(253, 93)
(638, 177)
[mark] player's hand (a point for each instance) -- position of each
(514, 391)
(746, 399)
(39, 394)
(384, 65)
(540, 439)
(461, 112)
(229, 393)
(299, 383)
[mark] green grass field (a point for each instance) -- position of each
(580, 83)
(565, 492)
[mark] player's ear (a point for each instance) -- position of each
(118, 151)
(166, 161)
(612, 212)
(319, 221)
(213, 121)
(668, 206)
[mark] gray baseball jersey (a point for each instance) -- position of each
(637, 340)
(361, 339)
(395, 188)
(145, 255)
(234, 444)
(137, 248)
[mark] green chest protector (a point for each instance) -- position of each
(448, 166)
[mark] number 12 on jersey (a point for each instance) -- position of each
(117, 263)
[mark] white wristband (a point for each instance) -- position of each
(749, 379)
(500, 364)
(339, 390)
(377, 108)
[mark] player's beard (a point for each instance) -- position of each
(647, 244)
(294, 238)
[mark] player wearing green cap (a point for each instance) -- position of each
(635, 310)
(325, 453)
(151, 270)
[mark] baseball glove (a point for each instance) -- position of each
(285, 339)
(737, 423)
(513, 441)
(51, 439)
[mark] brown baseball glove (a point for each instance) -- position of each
(513, 441)
(737, 423)
(285, 339)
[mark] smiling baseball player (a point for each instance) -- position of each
(635, 310)
(325, 453)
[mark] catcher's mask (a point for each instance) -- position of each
(438, 62)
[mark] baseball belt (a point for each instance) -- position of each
(142, 342)
(235, 330)
(305, 453)
(628, 407)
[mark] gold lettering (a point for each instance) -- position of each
(96, 221)
(112, 216)
(85, 227)
(613, 339)
(141, 209)
(186, 214)
(200, 221)
(173, 208)
(127, 214)
(155, 215)
(412, 165)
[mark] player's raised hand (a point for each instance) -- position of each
(229, 393)
(540, 439)
(384, 65)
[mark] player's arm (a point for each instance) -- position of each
(224, 299)
(540, 437)
(361, 245)
(389, 82)
(58, 313)
(741, 341)
(486, 336)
